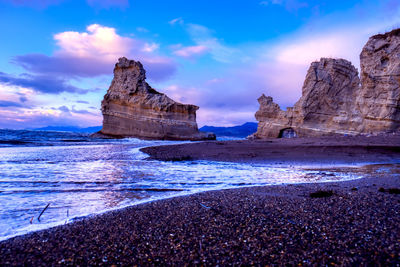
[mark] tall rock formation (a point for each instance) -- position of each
(131, 108)
(334, 101)
(380, 77)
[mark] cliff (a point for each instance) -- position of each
(380, 77)
(131, 108)
(335, 101)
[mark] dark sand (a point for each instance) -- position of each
(358, 149)
(358, 225)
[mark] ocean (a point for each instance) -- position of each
(80, 176)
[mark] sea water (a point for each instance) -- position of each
(79, 176)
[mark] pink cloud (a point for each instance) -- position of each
(94, 52)
(97, 41)
(191, 51)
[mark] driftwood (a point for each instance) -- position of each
(43, 211)
(204, 206)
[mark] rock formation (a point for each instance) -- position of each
(326, 106)
(334, 101)
(380, 77)
(131, 108)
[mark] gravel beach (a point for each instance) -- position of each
(357, 224)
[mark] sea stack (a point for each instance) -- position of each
(132, 108)
(336, 101)
(380, 78)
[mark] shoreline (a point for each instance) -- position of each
(189, 193)
(161, 227)
(182, 193)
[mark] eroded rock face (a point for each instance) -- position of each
(271, 118)
(326, 106)
(131, 108)
(380, 77)
(335, 102)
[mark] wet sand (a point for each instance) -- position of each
(357, 223)
(348, 150)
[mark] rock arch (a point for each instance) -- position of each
(288, 132)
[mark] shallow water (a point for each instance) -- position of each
(79, 176)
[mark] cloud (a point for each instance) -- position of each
(64, 66)
(289, 5)
(176, 21)
(43, 84)
(97, 41)
(191, 51)
(5, 103)
(82, 102)
(73, 110)
(271, 2)
(203, 37)
(108, 3)
(94, 52)
(149, 48)
(311, 47)
(63, 109)
(80, 111)
(142, 29)
(22, 119)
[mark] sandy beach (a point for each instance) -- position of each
(344, 223)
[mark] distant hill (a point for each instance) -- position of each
(74, 129)
(235, 131)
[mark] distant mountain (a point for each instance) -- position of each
(74, 129)
(235, 131)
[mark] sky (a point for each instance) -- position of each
(57, 56)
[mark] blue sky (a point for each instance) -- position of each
(57, 56)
